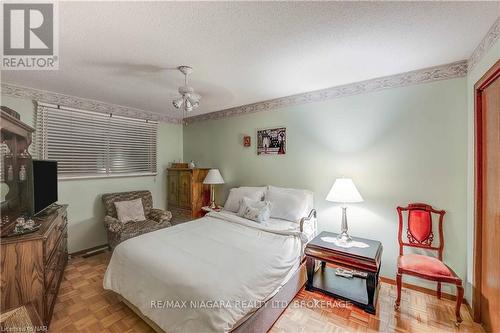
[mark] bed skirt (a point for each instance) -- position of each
(262, 319)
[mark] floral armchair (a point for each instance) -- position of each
(118, 231)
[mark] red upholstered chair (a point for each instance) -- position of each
(420, 235)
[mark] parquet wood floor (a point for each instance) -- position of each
(84, 306)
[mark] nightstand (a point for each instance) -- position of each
(207, 209)
(360, 291)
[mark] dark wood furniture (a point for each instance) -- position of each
(485, 305)
(419, 234)
(15, 160)
(361, 292)
(32, 265)
(186, 192)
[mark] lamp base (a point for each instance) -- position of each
(344, 237)
(344, 240)
(212, 197)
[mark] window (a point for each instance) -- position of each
(92, 144)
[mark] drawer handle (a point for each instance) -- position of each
(60, 252)
(57, 267)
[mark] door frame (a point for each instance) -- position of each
(491, 75)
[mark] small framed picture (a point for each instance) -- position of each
(271, 141)
(247, 141)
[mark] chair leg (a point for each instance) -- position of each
(460, 296)
(439, 290)
(398, 287)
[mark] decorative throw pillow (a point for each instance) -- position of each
(236, 194)
(130, 211)
(255, 210)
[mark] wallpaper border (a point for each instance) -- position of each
(486, 43)
(426, 75)
(82, 103)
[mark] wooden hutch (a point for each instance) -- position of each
(186, 192)
(32, 264)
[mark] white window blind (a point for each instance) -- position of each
(93, 144)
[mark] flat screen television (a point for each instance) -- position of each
(44, 184)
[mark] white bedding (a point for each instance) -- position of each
(224, 265)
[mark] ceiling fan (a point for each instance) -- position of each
(188, 99)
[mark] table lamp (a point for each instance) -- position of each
(213, 178)
(344, 191)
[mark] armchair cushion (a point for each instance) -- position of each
(424, 265)
(160, 215)
(141, 227)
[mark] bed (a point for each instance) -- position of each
(219, 273)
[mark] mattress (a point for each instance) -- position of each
(207, 275)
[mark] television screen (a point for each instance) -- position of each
(44, 184)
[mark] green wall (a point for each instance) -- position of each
(486, 62)
(399, 145)
(86, 212)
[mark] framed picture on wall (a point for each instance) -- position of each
(271, 141)
(247, 141)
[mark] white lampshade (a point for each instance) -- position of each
(213, 177)
(344, 190)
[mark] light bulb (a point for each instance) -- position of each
(177, 103)
(194, 103)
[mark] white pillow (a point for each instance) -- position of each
(236, 194)
(131, 210)
(288, 203)
(255, 210)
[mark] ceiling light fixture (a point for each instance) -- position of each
(188, 99)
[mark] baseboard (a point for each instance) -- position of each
(425, 291)
(92, 250)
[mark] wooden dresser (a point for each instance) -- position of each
(186, 192)
(32, 265)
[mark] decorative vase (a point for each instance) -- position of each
(22, 173)
(10, 173)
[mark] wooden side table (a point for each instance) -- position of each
(207, 209)
(360, 291)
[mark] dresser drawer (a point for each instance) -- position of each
(57, 261)
(50, 296)
(53, 238)
(54, 276)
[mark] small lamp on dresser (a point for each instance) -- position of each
(344, 191)
(213, 178)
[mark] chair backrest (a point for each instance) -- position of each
(419, 227)
(109, 200)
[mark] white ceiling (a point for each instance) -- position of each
(247, 52)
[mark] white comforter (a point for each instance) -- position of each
(206, 275)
